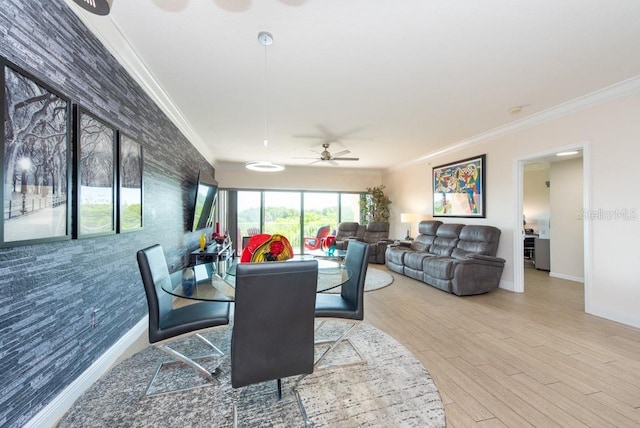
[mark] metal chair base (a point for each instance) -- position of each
(210, 376)
(294, 388)
(334, 344)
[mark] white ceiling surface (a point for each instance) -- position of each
(398, 79)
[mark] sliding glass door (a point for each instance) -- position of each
(297, 215)
(350, 207)
(282, 215)
(249, 217)
(320, 218)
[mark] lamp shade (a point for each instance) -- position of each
(408, 217)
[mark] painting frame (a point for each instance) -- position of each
(36, 140)
(459, 188)
(130, 184)
(95, 167)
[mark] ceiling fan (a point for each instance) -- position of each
(326, 156)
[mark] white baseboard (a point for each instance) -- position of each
(52, 412)
(567, 277)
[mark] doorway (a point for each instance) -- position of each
(546, 224)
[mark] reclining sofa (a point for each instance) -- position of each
(375, 233)
(460, 259)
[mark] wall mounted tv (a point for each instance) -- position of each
(206, 195)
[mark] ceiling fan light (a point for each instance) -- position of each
(99, 7)
(264, 166)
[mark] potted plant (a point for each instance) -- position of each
(374, 205)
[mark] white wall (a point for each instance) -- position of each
(611, 130)
(567, 226)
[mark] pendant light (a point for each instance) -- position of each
(99, 7)
(266, 39)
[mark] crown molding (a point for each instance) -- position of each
(609, 93)
(113, 39)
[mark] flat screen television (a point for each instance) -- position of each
(206, 195)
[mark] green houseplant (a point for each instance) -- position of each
(374, 205)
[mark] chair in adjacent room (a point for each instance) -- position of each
(349, 304)
(273, 327)
(167, 323)
(530, 248)
(315, 243)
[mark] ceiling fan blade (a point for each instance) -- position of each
(345, 159)
(305, 157)
(315, 161)
(337, 155)
(332, 162)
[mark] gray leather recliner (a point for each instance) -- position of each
(458, 259)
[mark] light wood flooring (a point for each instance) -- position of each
(516, 359)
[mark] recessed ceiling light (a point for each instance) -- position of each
(264, 166)
(573, 152)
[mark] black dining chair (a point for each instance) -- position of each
(349, 304)
(167, 323)
(273, 325)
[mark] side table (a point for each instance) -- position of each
(213, 253)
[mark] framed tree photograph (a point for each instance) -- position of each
(95, 189)
(458, 188)
(36, 160)
(130, 191)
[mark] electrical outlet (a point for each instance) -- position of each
(94, 318)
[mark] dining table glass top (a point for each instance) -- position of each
(216, 281)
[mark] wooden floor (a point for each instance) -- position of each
(516, 359)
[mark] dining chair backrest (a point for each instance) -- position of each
(357, 262)
(273, 329)
(154, 270)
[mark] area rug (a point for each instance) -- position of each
(375, 280)
(393, 389)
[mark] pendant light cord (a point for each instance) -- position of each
(265, 95)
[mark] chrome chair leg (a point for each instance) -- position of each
(205, 340)
(235, 409)
(335, 343)
(178, 357)
(188, 361)
(294, 388)
(307, 421)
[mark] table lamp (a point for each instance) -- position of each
(408, 218)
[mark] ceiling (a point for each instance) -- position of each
(389, 81)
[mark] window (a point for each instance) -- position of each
(294, 214)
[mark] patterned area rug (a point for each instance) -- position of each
(375, 279)
(392, 389)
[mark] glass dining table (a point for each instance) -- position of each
(216, 281)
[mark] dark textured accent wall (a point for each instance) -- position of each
(47, 292)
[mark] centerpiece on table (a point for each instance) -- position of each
(267, 248)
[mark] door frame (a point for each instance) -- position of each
(518, 243)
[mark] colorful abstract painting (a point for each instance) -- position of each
(458, 188)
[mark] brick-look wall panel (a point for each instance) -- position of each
(47, 292)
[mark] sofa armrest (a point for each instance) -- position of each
(488, 259)
(471, 261)
(400, 244)
(379, 249)
(476, 274)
